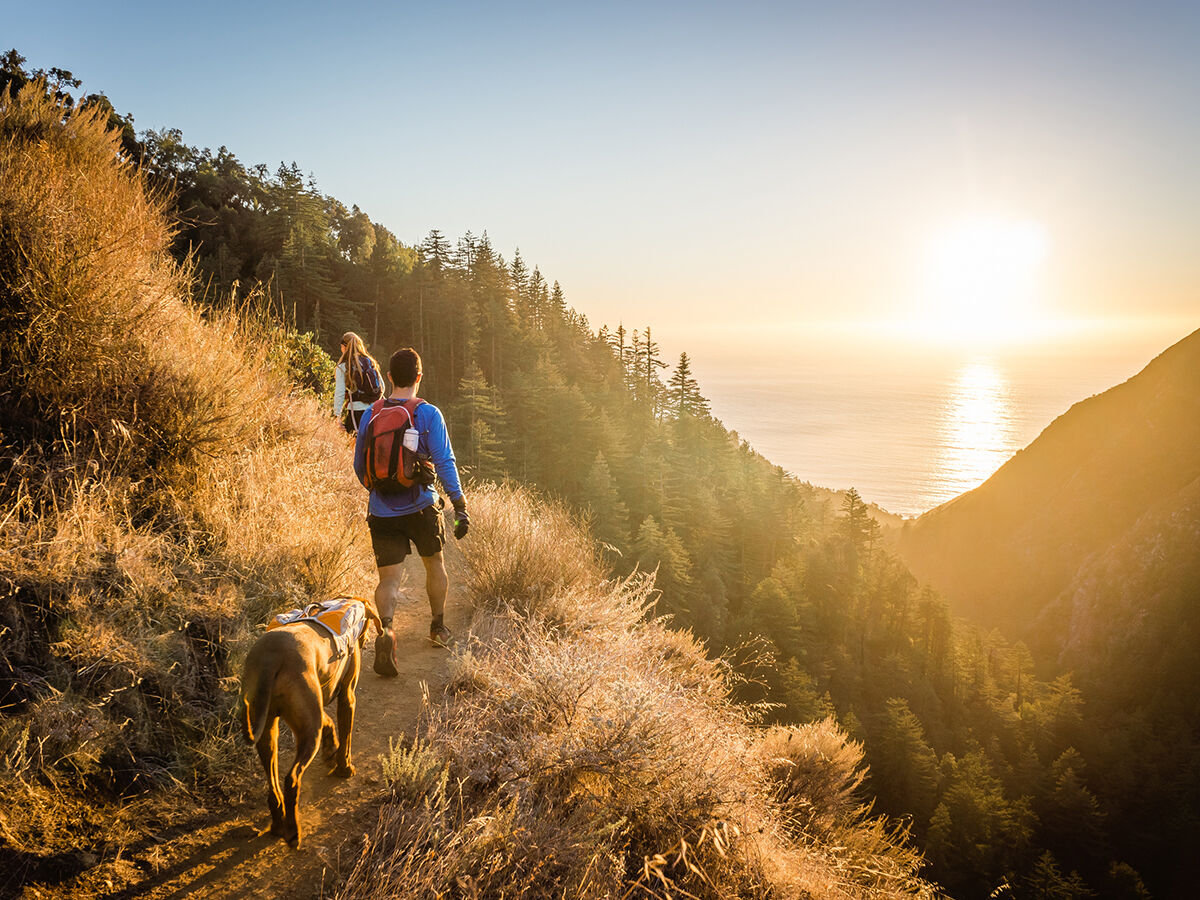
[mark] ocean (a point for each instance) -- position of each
(909, 428)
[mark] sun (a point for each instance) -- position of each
(984, 280)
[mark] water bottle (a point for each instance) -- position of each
(411, 437)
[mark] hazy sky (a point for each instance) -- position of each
(701, 166)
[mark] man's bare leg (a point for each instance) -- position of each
(386, 595)
(437, 584)
(388, 591)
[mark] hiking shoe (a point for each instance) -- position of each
(440, 636)
(385, 654)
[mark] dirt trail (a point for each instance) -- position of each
(220, 853)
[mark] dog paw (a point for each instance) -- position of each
(343, 771)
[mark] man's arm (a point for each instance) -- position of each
(442, 455)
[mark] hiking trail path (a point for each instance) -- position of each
(220, 853)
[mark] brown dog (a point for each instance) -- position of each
(292, 672)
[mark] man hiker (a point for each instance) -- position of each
(400, 513)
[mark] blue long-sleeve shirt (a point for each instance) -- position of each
(434, 442)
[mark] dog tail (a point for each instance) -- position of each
(256, 698)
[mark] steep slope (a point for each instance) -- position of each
(1128, 625)
(163, 488)
(1134, 605)
(1002, 553)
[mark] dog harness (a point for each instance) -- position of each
(343, 617)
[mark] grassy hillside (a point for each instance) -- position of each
(1003, 552)
(165, 486)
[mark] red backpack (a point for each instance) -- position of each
(391, 464)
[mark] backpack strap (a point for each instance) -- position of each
(376, 377)
(375, 408)
(412, 405)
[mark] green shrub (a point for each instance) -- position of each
(413, 773)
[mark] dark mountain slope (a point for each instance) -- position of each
(1005, 551)
(1130, 619)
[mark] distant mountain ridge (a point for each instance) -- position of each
(1003, 553)
(1086, 545)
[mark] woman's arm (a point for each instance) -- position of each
(339, 390)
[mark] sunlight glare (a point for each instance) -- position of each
(984, 280)
(977, 429)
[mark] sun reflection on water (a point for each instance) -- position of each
(977, 431)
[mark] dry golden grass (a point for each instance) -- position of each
(526, 555)
(588, 751)
(814, 772)
(163, 487)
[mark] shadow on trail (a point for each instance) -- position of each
(241, 842)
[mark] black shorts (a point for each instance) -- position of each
(390, 535)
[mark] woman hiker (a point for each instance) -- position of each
(357, 382)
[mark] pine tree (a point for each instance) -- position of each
(491, 289)
(558, 304)
(648, 365)
(1047, 882)
(804, 698)
(618, 342)
(390, 263)
(435, 251)
(1071, 815)
(710, 604)
(609, 515)
(683, 391)
(303, 270)
(518, 274)
(539, 300)
(656, 549)
(771, 612)
(480, 419)
(904, 769)
(858, 526)
(355, 233)
(633, 374)
(976, 834)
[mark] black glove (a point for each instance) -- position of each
(461, 521)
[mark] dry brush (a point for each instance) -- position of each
(583, 749)
(163, 486)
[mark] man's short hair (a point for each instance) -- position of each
(405, 367)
